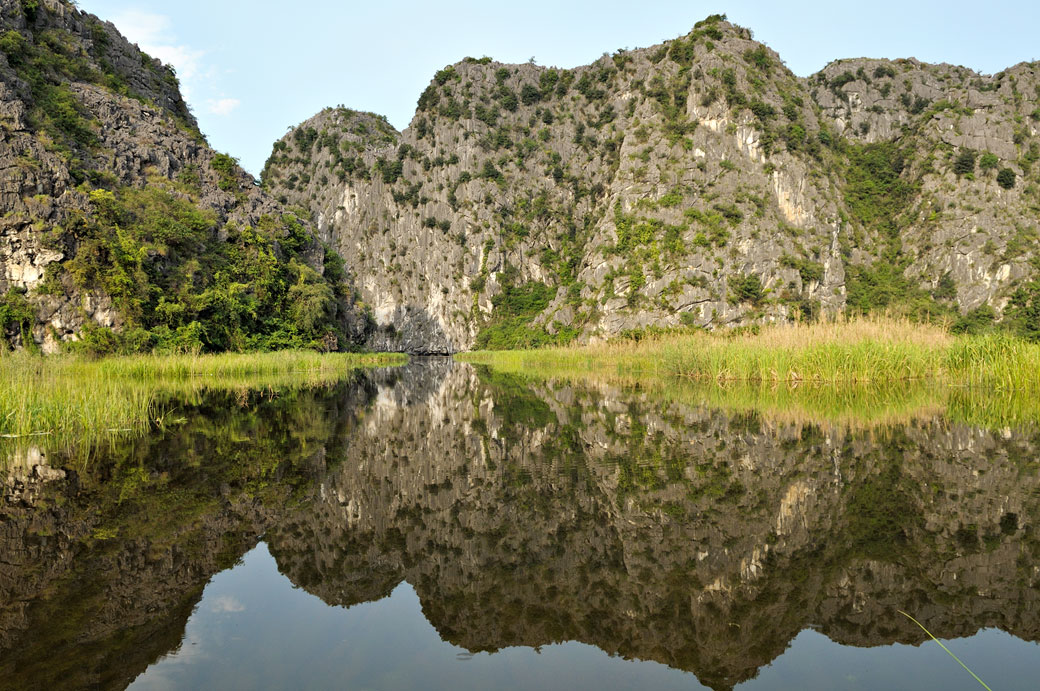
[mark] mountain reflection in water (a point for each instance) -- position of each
(524, 514)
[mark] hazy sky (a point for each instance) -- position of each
(250, 70)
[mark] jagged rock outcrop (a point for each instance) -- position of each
(83, 114)
(698, 183)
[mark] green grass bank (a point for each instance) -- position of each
(852, 352)
(70, 400)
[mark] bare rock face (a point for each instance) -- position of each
(960, 131)
(694, 183)
(82, 110)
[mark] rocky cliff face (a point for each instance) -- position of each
(694, 183)
(114, 204)
(968, 221)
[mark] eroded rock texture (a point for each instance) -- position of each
(82, 111)
(698, 182)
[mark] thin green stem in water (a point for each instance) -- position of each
(946, 649)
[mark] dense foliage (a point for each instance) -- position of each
(181, 282)
(877, 193)
(180, 277)
(16, 315)
(875, 189)
(513, 309)
(1023, 311)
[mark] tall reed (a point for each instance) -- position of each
(71, 400)
(855, 351)
(862, 372)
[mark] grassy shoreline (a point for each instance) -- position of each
(861, 351)
(862, 373)
(74, 401)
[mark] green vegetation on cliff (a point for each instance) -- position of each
(698, 182)
(183, 283)
(125, 232)
(49, 59)
(16, 314)
(512, 311)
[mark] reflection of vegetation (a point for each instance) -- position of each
(882, 509)
(855, 405)
(518, 405)
(148, 522)
(855, 374)
(526, 513)
(641, 521)
(64, 401)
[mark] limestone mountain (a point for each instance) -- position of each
(966, 202)
(122, 228)
(698, 182)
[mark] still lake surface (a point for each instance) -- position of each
(441, 526)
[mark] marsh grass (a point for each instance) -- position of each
(862, 372)
(855, 351)
(66, 401)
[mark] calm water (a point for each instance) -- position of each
(441, 526)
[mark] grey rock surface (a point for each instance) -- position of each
(643, 189)
(141, 132)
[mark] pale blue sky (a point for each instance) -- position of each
(250, 69)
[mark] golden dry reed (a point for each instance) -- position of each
(854, 351)
(861, 371)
